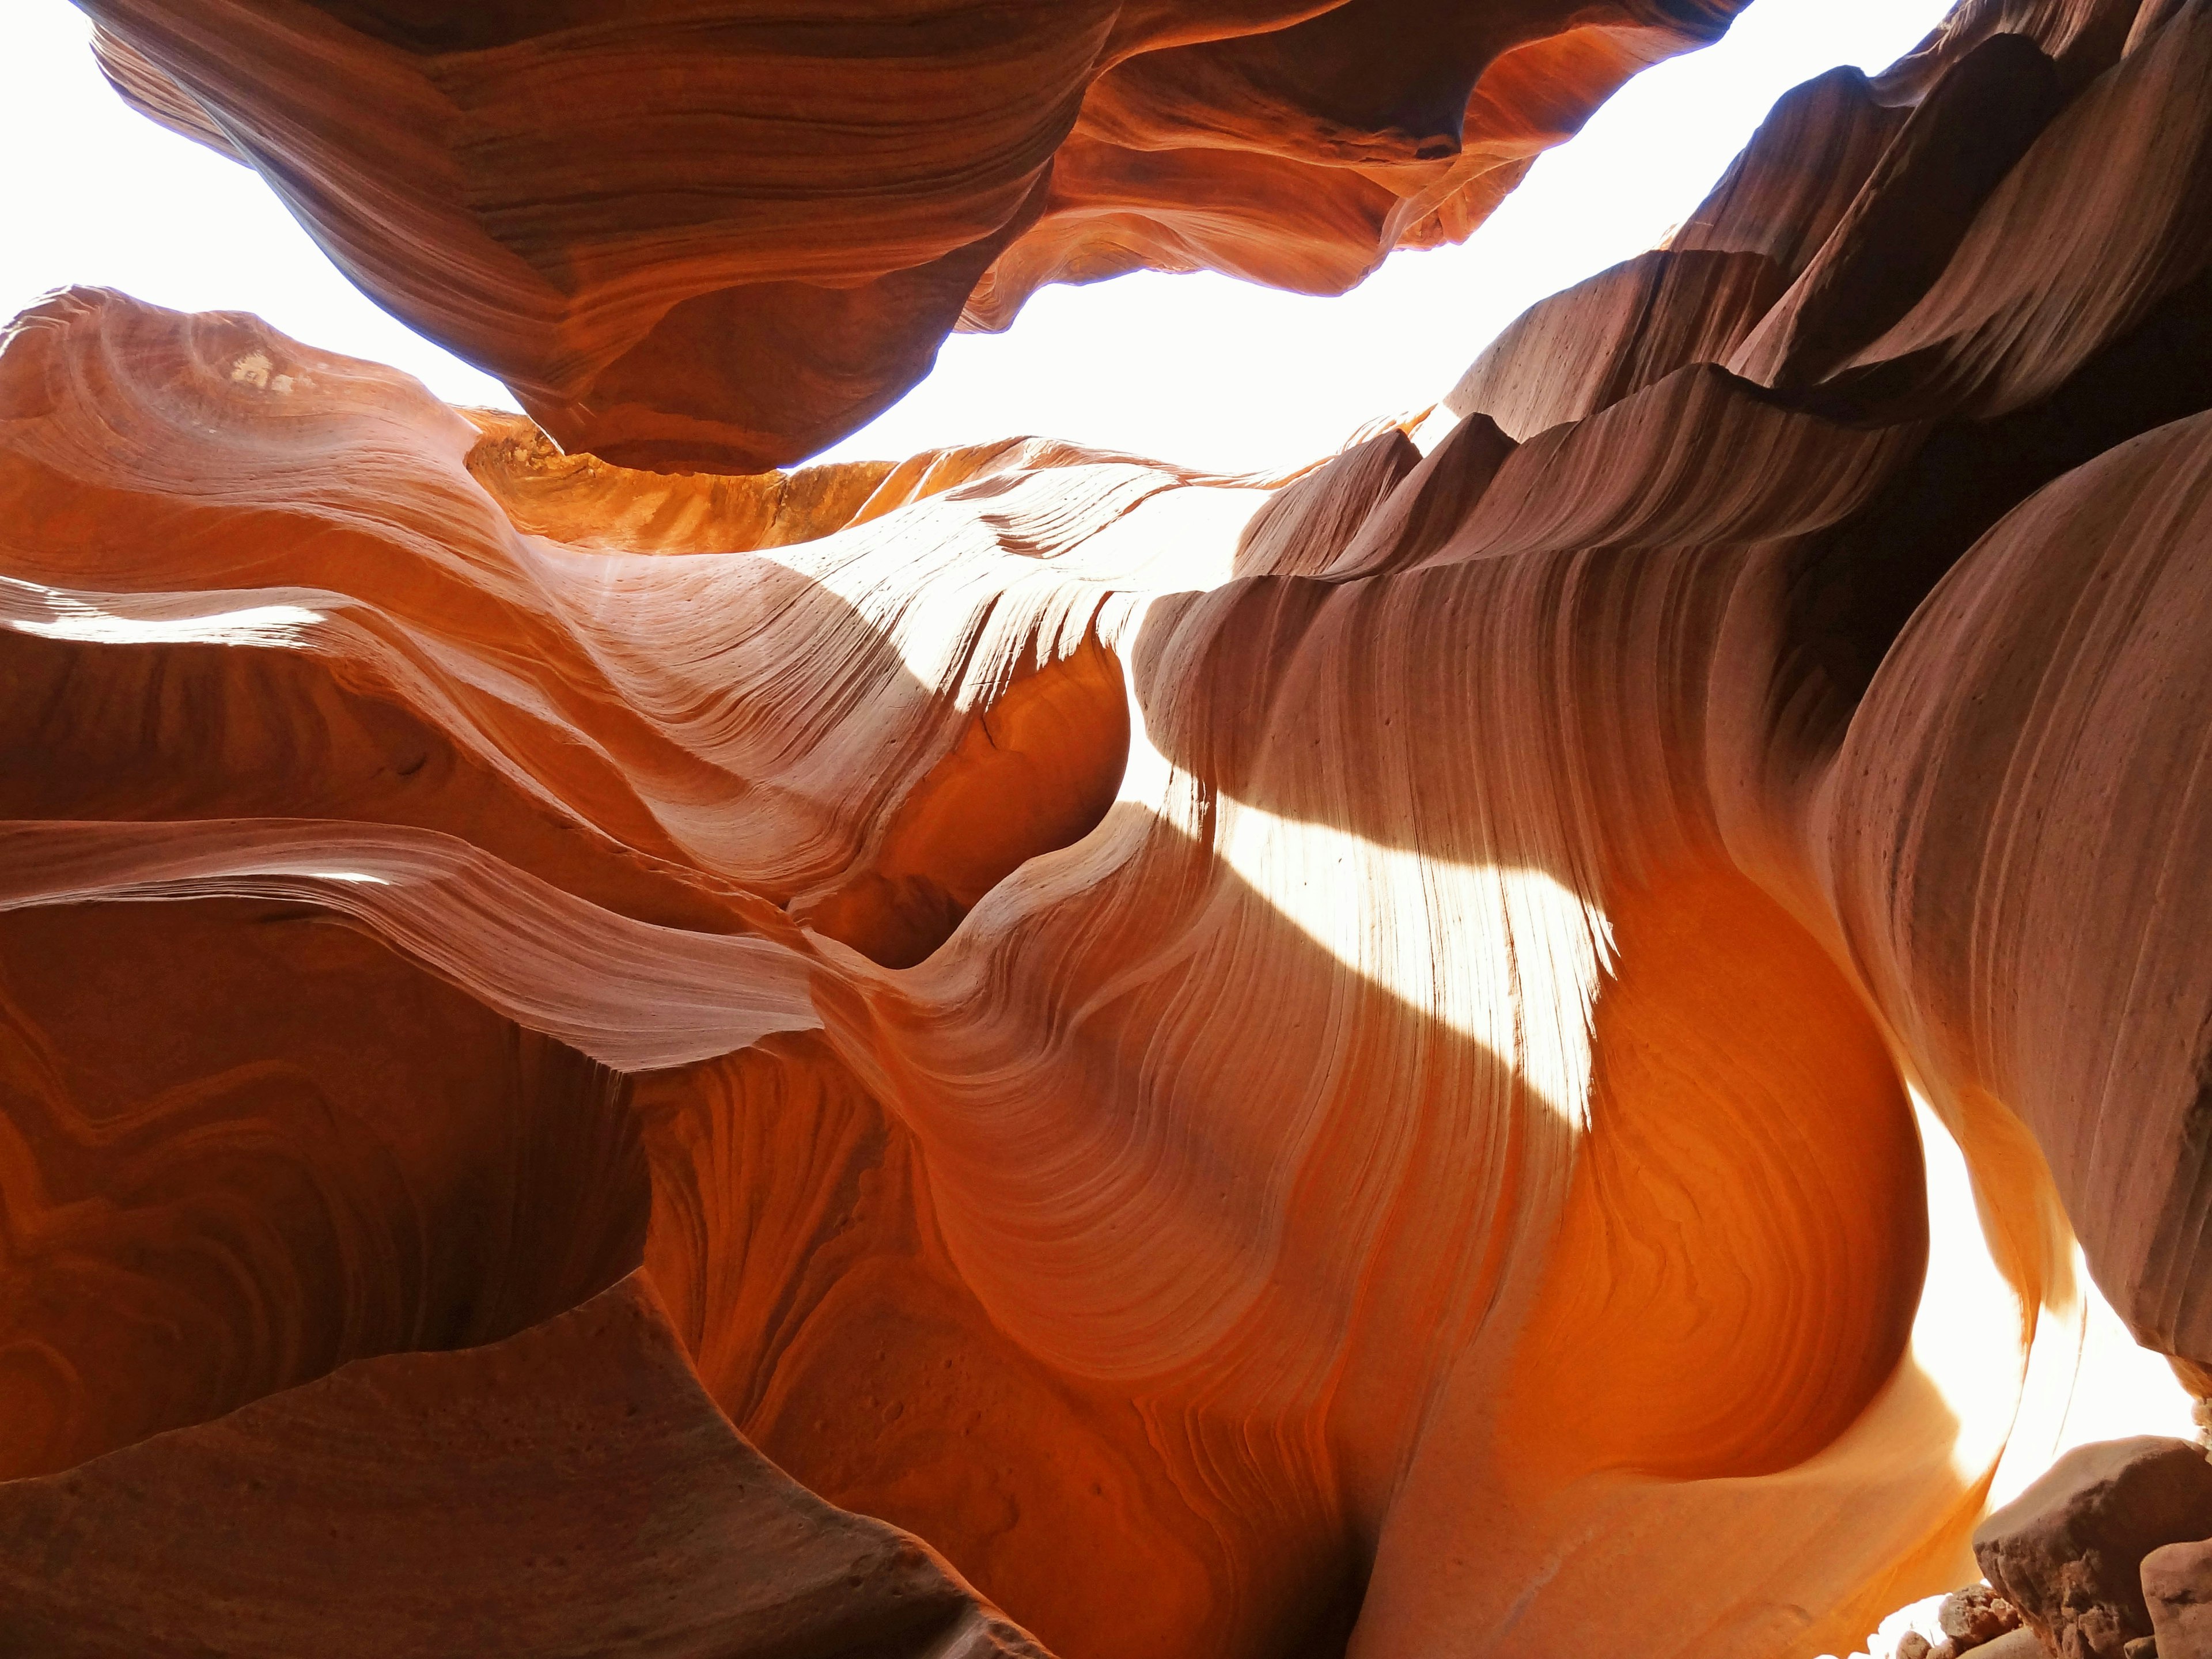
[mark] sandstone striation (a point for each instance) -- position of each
(1518, 1049)
(720, 235)
(575, 1478)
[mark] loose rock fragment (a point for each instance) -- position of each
(2177, 1585)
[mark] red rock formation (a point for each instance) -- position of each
(574, 1478)
(1368, 1057)
(713, 233)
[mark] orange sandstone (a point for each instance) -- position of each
(1356, 1062)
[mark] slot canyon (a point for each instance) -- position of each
(1564, 1032)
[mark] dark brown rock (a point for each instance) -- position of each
(1974, 1615)
(2068, 1552)
(572, 1490)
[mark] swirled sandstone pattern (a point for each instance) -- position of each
(721, 235)
(1359, 1062)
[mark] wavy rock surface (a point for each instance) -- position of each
(718, 234)
(1518, 1049)
(575, 1478)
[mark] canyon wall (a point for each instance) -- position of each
(1519, 1047)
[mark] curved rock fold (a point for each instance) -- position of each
(1518, 1049)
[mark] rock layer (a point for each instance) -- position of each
(575, 1477)
(1369, 1052)
(720, 236)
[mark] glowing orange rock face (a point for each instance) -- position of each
(722, 234)
(1361, 1059)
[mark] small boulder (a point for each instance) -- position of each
(2177, 1584)
(1974, 1615)
(2068, 1552)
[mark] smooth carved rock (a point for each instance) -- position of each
(1907, 220)
(217, 1209)
(719, 236)
(1587, 349)
(1334, 1048)
(2068, 1552)
(571, 1489)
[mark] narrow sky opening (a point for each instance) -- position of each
(1203, 370)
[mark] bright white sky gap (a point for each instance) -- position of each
(1203, 369)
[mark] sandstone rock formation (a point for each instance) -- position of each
(724, 234)
(575, 1478)
(1362, 1057)
(2068, 1552)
